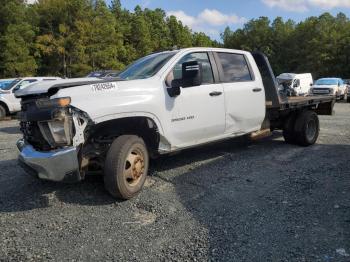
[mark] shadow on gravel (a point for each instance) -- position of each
(265, 201)
(24, 192)
(276, 202)
(202, 153)
(10, 130)
(28, 193)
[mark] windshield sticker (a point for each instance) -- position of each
(104, 86)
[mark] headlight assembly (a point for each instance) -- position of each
(57, 132)
(57, 102)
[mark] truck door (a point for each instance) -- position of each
(198, 113)
(244, 93)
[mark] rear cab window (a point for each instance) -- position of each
(234, 67)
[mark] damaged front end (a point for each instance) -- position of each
(53, 134)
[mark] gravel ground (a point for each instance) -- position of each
(265, 201)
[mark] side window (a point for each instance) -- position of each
(297, 83)
(26, 82)
(201, 58)
(235, 67)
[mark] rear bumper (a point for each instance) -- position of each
(60, 165)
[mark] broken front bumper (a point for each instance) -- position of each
(59, 165)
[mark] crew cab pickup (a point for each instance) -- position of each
(162, 103)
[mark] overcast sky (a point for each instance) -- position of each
(212, 16)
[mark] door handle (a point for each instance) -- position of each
(257, 89)
(215, 93)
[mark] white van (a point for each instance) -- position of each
(297, 84)
(9, 104)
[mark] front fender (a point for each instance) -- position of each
(115, 116)
(6, 102)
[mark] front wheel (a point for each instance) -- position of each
(126, 166)
(2, 112)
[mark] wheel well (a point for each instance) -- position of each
(144, 127)
(6, 107)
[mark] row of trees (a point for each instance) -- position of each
(320, 45)
(73, 37)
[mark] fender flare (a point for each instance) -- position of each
(100, 119)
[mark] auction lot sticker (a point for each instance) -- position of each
(100, 87)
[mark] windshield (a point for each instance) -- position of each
(325, 82)
(95, 74)
(5, 83)
(147, 66)
(10, 85)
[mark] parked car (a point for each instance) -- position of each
(164, 102)
(6, 82)
(347, 96)
(295, 84)
(104, 74)
(9, 104)
(329, 86)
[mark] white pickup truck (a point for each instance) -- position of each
(162, 103)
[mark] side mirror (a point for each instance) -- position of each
(191, 74)
(175, 89)
(311, 84)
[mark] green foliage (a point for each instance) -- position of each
(16, 40)
(320, 45)
(71, 38)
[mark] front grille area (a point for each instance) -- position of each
(34, 124)
(32, 134)
(321, 90)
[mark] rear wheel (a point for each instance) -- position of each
(2, 112)
(347, 98)
(126, 166)
(288, 130)
(307, 128)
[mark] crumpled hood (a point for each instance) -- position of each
(43, 87)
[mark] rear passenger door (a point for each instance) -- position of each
(244, 93)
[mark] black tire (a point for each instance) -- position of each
(2, 112)
(348, 100)
(288, 130)
(126, 166)
(307, 128)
